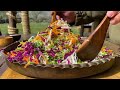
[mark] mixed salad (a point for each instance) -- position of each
(56, 45)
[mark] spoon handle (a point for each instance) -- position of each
(53, 19)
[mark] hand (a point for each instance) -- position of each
(115, 17)
(68, 16)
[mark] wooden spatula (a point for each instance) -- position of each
(93, 44)
(53, 19)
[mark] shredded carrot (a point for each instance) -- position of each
(53, 24)
(110, 51)
(55, 31)
(71, 48)
(60, 47)
(73, 40)
(103, 49)
(12, 54)
(28, 63)
(37, 37)
(35, 61)
(26, 58)
(48, 32)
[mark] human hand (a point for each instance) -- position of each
(68, 16)
(115, 17)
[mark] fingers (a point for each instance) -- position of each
(57, 17)
(116, 19)
(111, 14)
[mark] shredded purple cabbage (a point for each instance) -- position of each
(68, 54)
(59, 61)
(51, 53)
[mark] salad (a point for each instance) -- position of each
(56, 45)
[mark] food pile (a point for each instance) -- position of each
(56, 45)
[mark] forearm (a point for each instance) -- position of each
(85, 17)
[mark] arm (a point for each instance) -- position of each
(81, 17)
(85, 17)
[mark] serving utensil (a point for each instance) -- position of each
(93, 44)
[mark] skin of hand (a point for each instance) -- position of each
(115, 17)
(68, 16)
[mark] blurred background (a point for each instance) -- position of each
(39, 20)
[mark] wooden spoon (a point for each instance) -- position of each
(53, 19)
(93, 44)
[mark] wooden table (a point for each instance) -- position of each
(112, 73)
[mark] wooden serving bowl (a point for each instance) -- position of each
(63, 71)
(5, 40)
(73, 71)
(16, 37)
